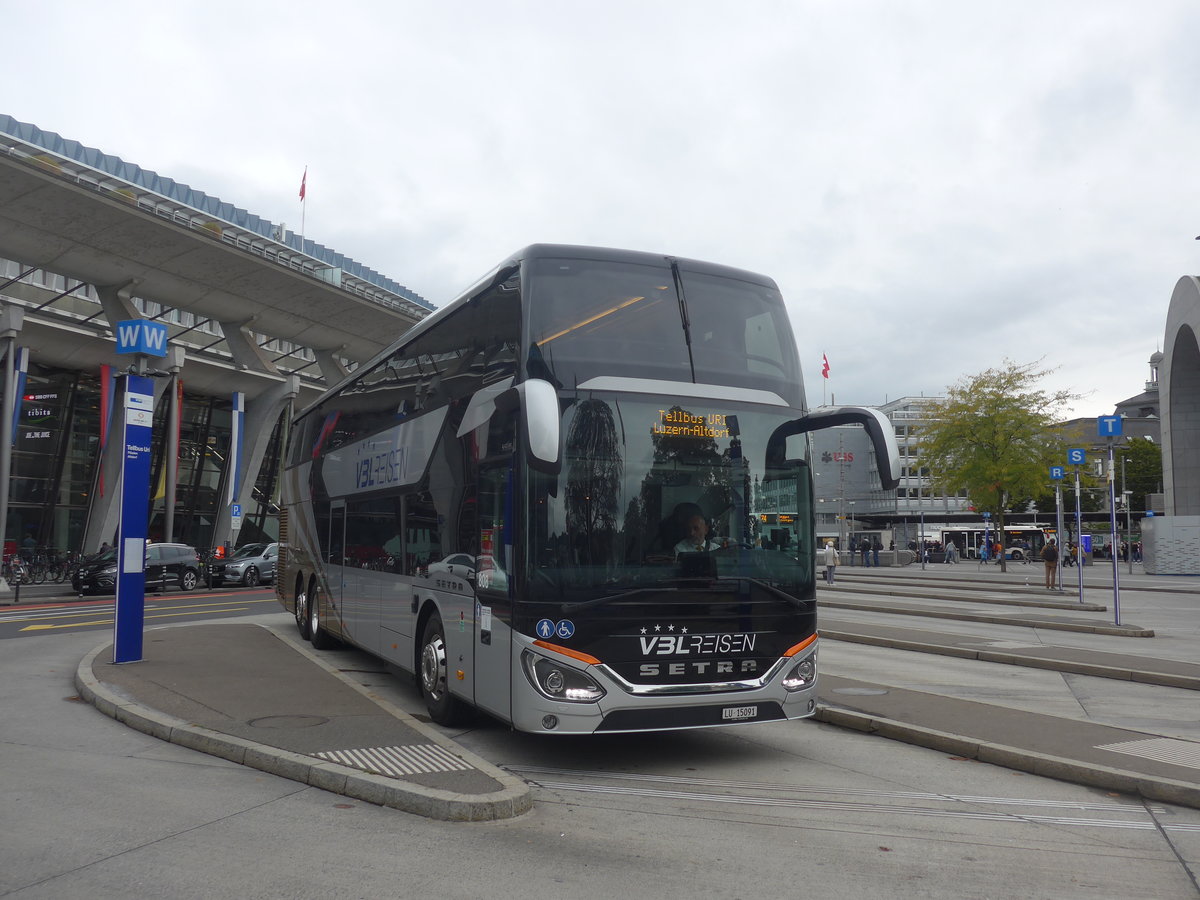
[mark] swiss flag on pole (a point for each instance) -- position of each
(303, 181)
(824, 358)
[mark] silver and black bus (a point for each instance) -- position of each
(546, 499)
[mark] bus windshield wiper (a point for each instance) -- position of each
(683, 314)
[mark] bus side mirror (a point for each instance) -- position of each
(538, 402)
(879, 430)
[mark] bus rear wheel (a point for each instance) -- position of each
(316, 634)
(301, 611)
(435, 688)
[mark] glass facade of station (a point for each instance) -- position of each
(56, 473)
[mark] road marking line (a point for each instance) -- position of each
(110, 621)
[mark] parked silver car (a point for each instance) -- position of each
(251, 564)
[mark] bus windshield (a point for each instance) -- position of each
(670, 495)
(667, 322)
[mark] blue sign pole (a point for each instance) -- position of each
(139, 338)
(1056, 475)
(1110, 427)
(135, 500)
(1076, 458)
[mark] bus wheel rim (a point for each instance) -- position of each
(433, 666)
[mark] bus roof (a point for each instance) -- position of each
(506, 268)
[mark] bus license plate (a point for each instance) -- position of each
(737, 713)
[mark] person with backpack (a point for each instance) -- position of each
(831, 561)
(1050, 558)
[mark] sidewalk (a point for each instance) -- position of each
(1129, 759)
(244, 693)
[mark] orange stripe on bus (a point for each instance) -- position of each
(807, 642)
(567, 651)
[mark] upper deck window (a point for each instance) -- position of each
(590, 318)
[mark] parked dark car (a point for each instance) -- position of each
(172, 565)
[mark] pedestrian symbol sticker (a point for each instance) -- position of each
(566, 628)
(545, 628)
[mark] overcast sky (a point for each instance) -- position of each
(935, 186)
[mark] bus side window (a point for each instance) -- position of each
(422, 538)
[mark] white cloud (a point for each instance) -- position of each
(935, 186)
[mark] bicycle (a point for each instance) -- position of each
(15, 571)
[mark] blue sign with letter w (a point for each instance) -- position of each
(141, 336)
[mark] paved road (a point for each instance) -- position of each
(101, 810)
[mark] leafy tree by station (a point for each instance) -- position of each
(994, 438)
(1143, 471)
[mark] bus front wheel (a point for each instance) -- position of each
(443, 708)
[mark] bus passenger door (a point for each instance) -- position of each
(493, 588)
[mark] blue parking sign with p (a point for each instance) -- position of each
(1076, 456)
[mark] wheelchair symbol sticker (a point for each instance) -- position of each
(566, 628)
(545, 628)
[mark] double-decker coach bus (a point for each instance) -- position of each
(541, 499)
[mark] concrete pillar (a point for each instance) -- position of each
(262, 412)
(244, 348)
(331, 367)
(12, 319)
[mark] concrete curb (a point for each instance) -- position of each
(1164, 790)
(1048, 624)
(940, 592)
(1141, 676)
(512, 800)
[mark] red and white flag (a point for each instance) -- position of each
(303, 181)
(824, 358)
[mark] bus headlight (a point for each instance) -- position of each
(559, 682)
(802, 674)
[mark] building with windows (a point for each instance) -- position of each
(845, 477)
(259, 320)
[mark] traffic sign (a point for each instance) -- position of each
(235, 515)
(1076, 456)
(1110, 426)
(1057, 472)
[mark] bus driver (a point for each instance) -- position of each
(697, 537)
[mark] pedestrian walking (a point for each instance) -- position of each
(876, 546)
(853, 549)
(951, 549)
(1050, 558)
(864, 548)
(831, 561)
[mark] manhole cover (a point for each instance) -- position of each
(861, 692)
(288, 721)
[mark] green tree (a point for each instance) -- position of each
(1142, 470)
(993, 437)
